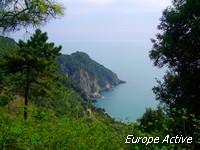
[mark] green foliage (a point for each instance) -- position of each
(177, 47)
(176, 122)
(7, 45)
(152, 120)
(46, 131)
(6, 96)
(15, 14)
(72, 64)
(57, 115)
(58, 118)
(181, 122)
(32, 68)
(169, 92)
(65, 101)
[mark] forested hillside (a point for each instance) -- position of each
(86, 75)
(6, 45)
(52, 115)
(41, 109)
(91, 77)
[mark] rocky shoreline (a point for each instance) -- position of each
(98, 95)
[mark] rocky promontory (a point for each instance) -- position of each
(91, 77)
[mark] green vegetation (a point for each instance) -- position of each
(79, 60)
(87, 76)
(6, 45)
(60, 118)
(177, 47)
(32, 68)
(15, 14)
(45, 131)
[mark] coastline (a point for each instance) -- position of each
(98, 95)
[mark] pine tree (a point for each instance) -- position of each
(178, 48)
(32, 68)
(15, 14)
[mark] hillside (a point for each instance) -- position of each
(6, 45)
(91, 77)
(59, 118)
(67, 97)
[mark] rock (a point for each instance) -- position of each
(91, 77)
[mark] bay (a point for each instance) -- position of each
(130, 61)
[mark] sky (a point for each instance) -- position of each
(105, 21)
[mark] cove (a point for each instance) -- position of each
(130, 61)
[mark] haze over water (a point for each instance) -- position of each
(130, 61)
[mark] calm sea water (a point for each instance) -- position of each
(130, 61)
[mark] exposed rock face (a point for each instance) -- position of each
(91, 77)
(88, 84)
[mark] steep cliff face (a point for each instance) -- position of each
(91, 77)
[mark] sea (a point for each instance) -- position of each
(130, 61)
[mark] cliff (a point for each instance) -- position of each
(91, 77)
(85, 75)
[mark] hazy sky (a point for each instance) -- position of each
(106, 20)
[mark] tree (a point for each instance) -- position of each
(7, 45)
(33, 69)
(152, 120)
(178, 48)
(24, 13)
